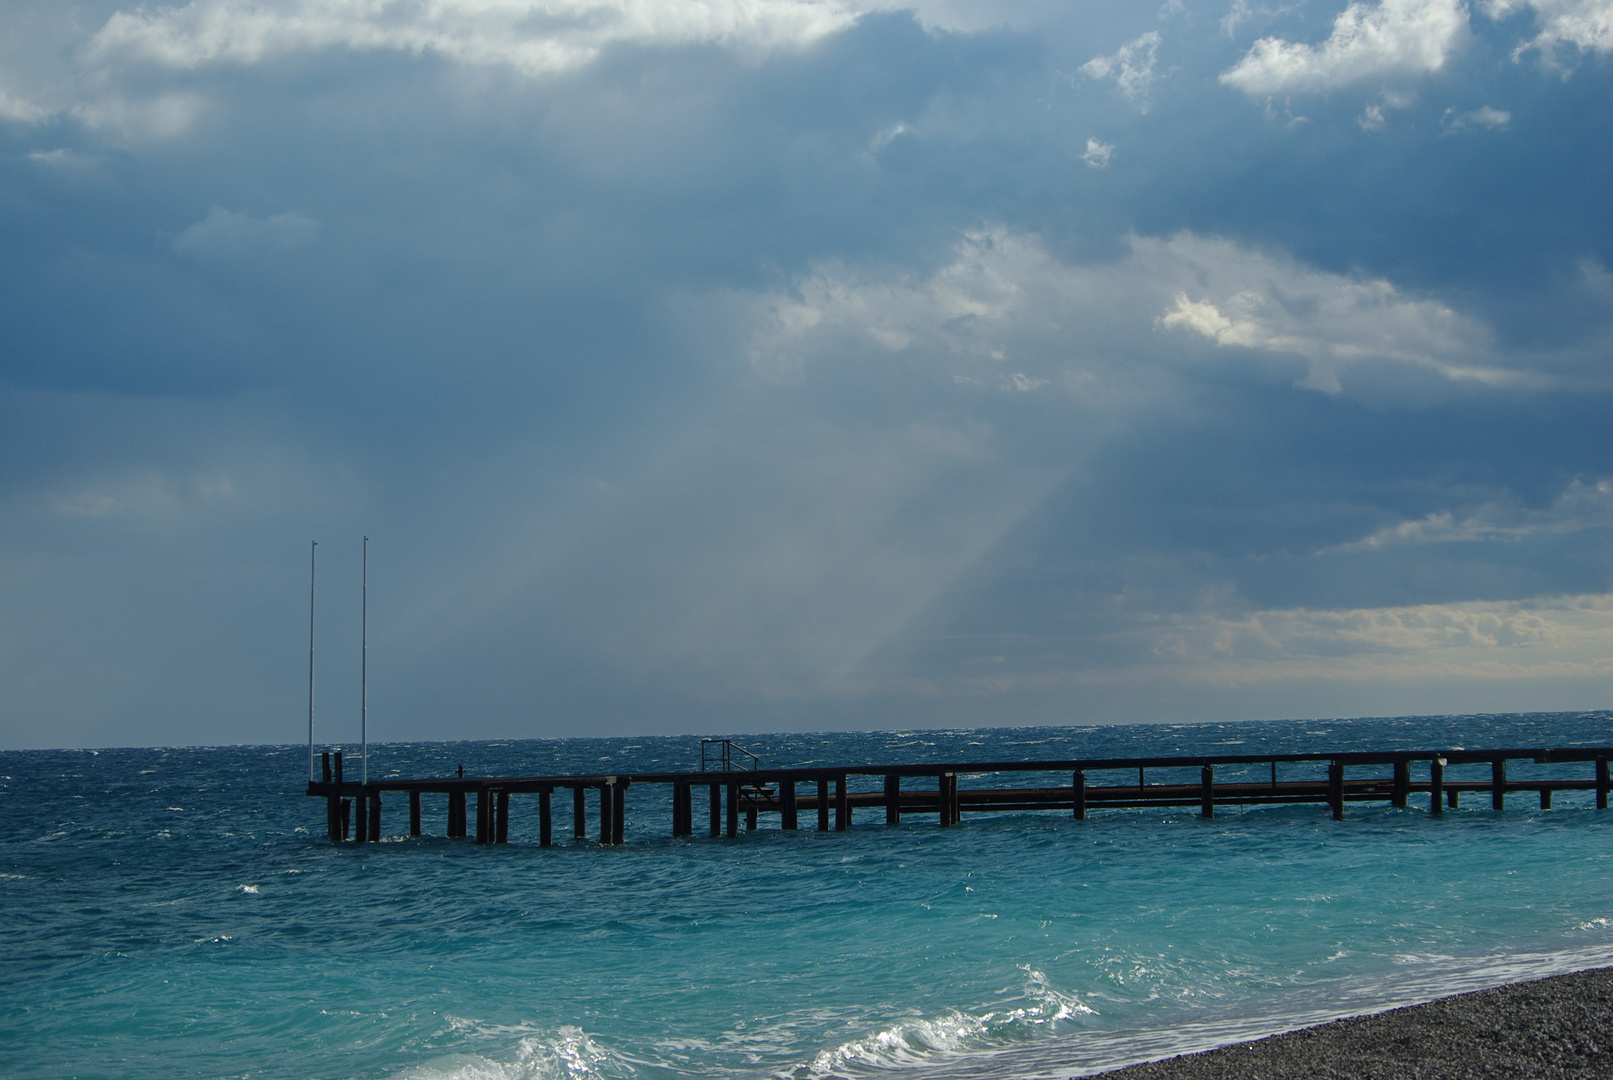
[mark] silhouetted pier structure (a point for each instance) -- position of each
(946, 791)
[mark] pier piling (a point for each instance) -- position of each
(414, 813)
(788, 814)
(1436, 786)
(1079, 789)
(545, 816)
(1498, 784)
(1335, 788)
(579, 812)
(823, 804)
(893, 798)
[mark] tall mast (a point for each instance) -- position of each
(313, 555)
(364, 669)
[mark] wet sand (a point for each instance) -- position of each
(1551, 1029)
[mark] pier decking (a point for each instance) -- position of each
(934, 789)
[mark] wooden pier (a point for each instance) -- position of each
(735, 793)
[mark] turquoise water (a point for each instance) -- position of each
(176, 913)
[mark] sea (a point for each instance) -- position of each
(179, 912)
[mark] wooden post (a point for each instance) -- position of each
(1545, 798)
(456, 814)
(501, 828)
(1402, 786)
(947, 789)
(823, 804)
(545, 817)
(893, 799)
(1498, 782)
(579, 812)
(1078, 784)
(1452, 797)
(375, 817)
(1436, 787)
(333, 802)
(680, 824)
(716, 809)
(414, 813)
(607, 827)
(1335, 788)
(484, 814)
(361, 823)
(1602, 784)
(346, 815)
(789, 817)
(618, 812)
(1207, 791)
(733, 809)
(842, 806)
(750, 815)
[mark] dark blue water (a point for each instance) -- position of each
(177, 913)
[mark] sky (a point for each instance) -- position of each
(717, 366)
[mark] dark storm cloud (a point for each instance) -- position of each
(812, 367)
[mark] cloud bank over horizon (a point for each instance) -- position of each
(770, 364)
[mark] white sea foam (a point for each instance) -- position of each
(566, 1054)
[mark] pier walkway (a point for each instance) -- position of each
(734, 792)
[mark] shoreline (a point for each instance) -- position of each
(1555, 1028)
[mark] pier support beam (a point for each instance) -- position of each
(842, 806)
(1335, 788)
(414, 813)
(1207, 792)
(1545, 798)
(1498, 784)
(618, 811)
(361, 823)
(716, 809)
(1436, 786)
(947, 791)
(501, 826)
(375, 817)
(579, 813)
(1602, 784)
(545, 817)
(893, 799)
(682, 810)
(607, 803)
(456, 815)
(732, 820)
(1078, 785)
(1402, 785)
(823, 805)
(346, 814)
(484, 816)
(789, 817)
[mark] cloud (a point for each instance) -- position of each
(22, 111)
(1392, 38)
(1585, 25)
(224, 236)
(533, 37)
(1582, 505)
(1131, 66)
(1002, 292)
(1330, 320)
(1098, 154)
(1485, 117)
(1550, 638)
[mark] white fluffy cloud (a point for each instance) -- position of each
(1391, 38)
(1004, 304)
(1587, 25)
(1131, 66)
(531, 36)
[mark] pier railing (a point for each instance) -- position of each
(1077, 787)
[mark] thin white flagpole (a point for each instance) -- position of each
(364, 669)
(313, 556)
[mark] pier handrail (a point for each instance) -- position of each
(726, 759)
